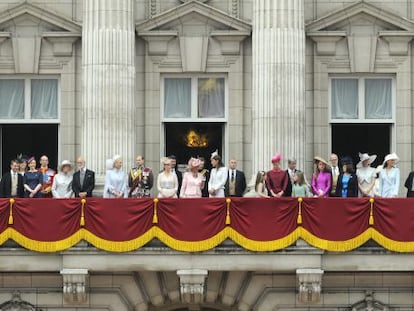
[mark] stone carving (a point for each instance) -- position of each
(192, 285)
(74, 285)
(310, 285)
(369, 304)
(17, 304)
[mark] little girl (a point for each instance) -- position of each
(300, 188)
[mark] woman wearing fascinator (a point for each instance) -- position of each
(115, 180)
(167, 181)
(218, 177)
(193, 181)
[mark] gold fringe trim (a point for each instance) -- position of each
(371, 211)
(11, 202)
(264, 246)
(118, 246)
(191, 247)
(155, 217)
(228, 220)
(335, 246)
(82, 219)
(299, 221)
(391, 245)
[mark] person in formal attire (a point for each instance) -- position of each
(347, 185)
(206, 174)
(140, 179)
(62, 183)
(116, 185)
(167, 181)
(321, 179)
(176, 171)
(336, 171)
(257, 186)
(277, 179)
(218, 177)
(389, 182)
(48, 175)
(83, 182)
(366, 175)
(300, 188)
(32, 180)
(193, 180)
(236, 181)
(22, 164)
(409, 184)
(11, 185)
(291, 170)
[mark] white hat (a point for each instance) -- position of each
(116, 157)
(365, 156)
(215, 153)
(391, 156)
(65, 163)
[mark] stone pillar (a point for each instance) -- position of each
(108, 112)
(278, 81)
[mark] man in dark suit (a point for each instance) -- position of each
(291, 172)
(236, 181)
(11, 185)
(177, 172)
(83, 180)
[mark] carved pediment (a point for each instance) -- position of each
(362, 25)
(27, 24)
(360, 14)
(17, 304)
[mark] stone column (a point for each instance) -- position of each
(108, 50)
(278, 81)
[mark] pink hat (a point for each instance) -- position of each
(277, 157)
(193, 162)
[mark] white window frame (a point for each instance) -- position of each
(194, 99)
(194, 108)
(27, 99)
(361, 99)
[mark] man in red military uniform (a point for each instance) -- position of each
(48, 175)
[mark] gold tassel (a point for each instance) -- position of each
(155, 217)
(371, 212)
(228, 221)
(299, 221)
(11, 221)
(82, 220)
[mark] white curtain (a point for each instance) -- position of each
(44, 98)
(11, 99)
(177, 98)
(378, 98)
(344, 98)
(211, 98)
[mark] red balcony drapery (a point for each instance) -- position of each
(194, 225)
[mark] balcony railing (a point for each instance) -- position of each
(195, 225)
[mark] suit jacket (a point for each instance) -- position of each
(5, 186)
(409, 185)
(180, 180)
(88, 183)
(240, 184)
(352, 186)
(289, 187)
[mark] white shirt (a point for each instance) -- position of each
(335, 170)
(232, 172)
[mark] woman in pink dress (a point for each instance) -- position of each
(321, 179)
(193, 181)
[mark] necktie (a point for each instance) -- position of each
(232, 176)
(82, 177)
(14, 185)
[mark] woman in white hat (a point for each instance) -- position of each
(366, 175)
(193, 181)
(390, 177)
(115, 180)
(62, 183)
(167, 181)
(218, 177)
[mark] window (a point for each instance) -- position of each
(193, 114)
(196, 98)
(362, 99)
(31, 99)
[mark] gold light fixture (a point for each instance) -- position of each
(196, 140)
